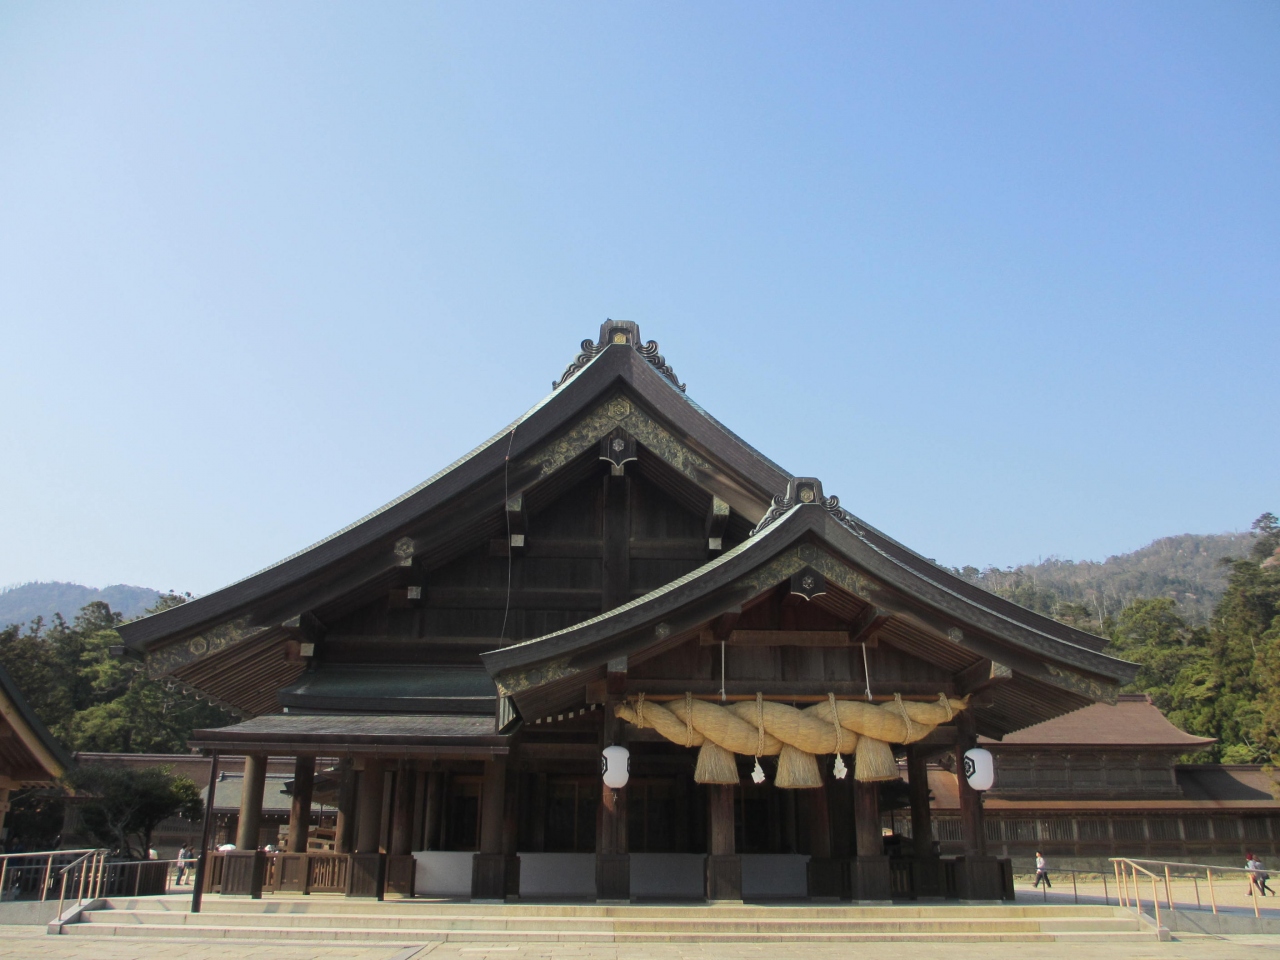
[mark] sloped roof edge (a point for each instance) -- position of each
(34, 734)
(615, 363)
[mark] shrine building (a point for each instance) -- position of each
(617, 653)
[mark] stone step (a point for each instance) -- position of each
(669, 922)
(534, 936)
(337, 905)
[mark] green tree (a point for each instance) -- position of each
(121, 806)
(91, 700)
(1153, 635)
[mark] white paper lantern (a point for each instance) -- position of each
(616, 767)
(979, 768)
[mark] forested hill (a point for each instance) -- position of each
(1188, 569)
(24, 603)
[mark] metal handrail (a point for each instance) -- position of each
(1075, 887)
(1123, 865)
(36, 854)
(96, 855)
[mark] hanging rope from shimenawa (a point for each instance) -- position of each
(756, 728)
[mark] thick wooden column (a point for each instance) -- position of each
(304, 777)
(488, 867)
(418, 838)
(978, 876)
(369, 807)
(434, 804)
(724, 866)
(825, 872)
(613, 862)
(345, 827)
(927, 879)
(366, 872)
(255, 780)
(400, 862)
(871, 879)
(244, 867)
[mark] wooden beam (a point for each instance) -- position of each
(516, 522)
(496, 598)
(980, 676)
(872, 619)
(780, 638)
(808, 691)
(717, 521)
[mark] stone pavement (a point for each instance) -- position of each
(32, 943)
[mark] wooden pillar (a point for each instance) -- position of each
(366, 871)
(400, 866)
(243, 868)
(402, 811)
(826, 874)
(972, 828)
(304, 777)
(724, 866)
(369, 807)
(345, 826)
(539, 840)
(870, 870)
(4, 810)
(918, 790)
(613, 863)
(255, 780)
(431, 818)
(978, 876)
(927, 877)
(488, 867)
(418, 840)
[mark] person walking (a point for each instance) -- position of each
(1260, 876)
(1042, 872)
(184, 854)
(1251, 865)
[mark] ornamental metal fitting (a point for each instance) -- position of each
(623, 332)
(802, 490)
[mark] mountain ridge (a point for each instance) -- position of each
(25, 602)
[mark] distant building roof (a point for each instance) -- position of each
(1214, 781)
(275, 799)
(1133, 721)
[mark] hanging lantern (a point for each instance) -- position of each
(615, 765)
(979, 768)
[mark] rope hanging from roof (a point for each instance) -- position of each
(756, 728)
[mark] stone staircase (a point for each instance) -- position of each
(423, 921)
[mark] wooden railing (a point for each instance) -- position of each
(289, 872)
(1167, 871)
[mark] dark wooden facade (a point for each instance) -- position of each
(460, 654)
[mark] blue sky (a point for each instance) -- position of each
(1004, 275)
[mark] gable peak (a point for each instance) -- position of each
(804, 491)
(620, 332)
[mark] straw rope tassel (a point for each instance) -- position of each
(767, 728)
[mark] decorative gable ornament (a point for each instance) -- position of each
(804, 490)
(621, 332)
